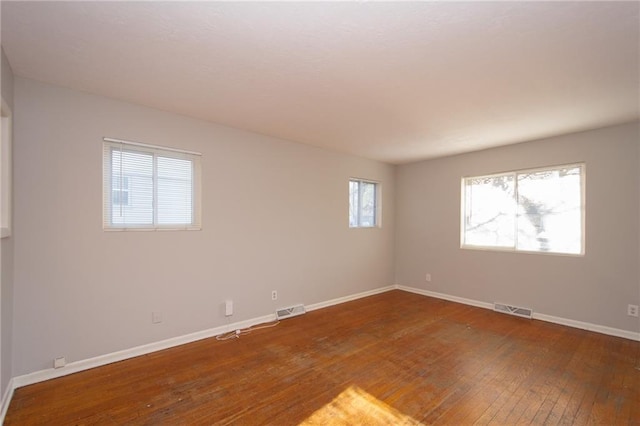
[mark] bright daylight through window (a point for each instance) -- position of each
(363, 204)
(539, 210)
(147, 187)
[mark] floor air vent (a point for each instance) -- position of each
(513, 310)
(292, 311)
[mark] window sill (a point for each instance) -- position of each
(511, 250)
(150, 229)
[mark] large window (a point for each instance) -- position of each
(148, 187)
(363, 204)
(539, 210)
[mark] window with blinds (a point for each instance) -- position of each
(150, 187)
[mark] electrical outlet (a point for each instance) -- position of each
(427, 278)
(228, 308)
(59, 362)
(156, 317)
(274, 295)
(632, 310)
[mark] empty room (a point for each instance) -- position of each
(319, 213)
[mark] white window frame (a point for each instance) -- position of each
(514, 249)
(377, 208)
(109, 145)
(6, 197)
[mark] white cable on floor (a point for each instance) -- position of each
(237, 333)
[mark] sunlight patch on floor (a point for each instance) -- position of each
(355, 406)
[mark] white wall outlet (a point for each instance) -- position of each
(228, 308)
(156, 317)
(59, 362)
(274, 295)
(427, 278)
(632, 310)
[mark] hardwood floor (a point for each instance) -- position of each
(434, 361)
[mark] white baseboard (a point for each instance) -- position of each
(85, 364)
(602, 329)
(344, 299)
(6, 399)
(537, 316)
(444, 296)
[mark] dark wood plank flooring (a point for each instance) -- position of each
(435, 361)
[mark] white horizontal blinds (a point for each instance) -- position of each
(150, 187)
(175, 191)
(136, 169)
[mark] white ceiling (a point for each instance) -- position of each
(396, 82)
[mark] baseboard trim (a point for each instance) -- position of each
(6, 399)
(349, 298)
(444, 296)
(537, 316)
(602, 329)
(86, 364)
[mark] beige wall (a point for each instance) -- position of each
(6, 257)
(274, 218)
(595, 288)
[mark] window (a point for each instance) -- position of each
(148, 187)
(363, 204)
(120, 191)
(5, 170)
(538, 210)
